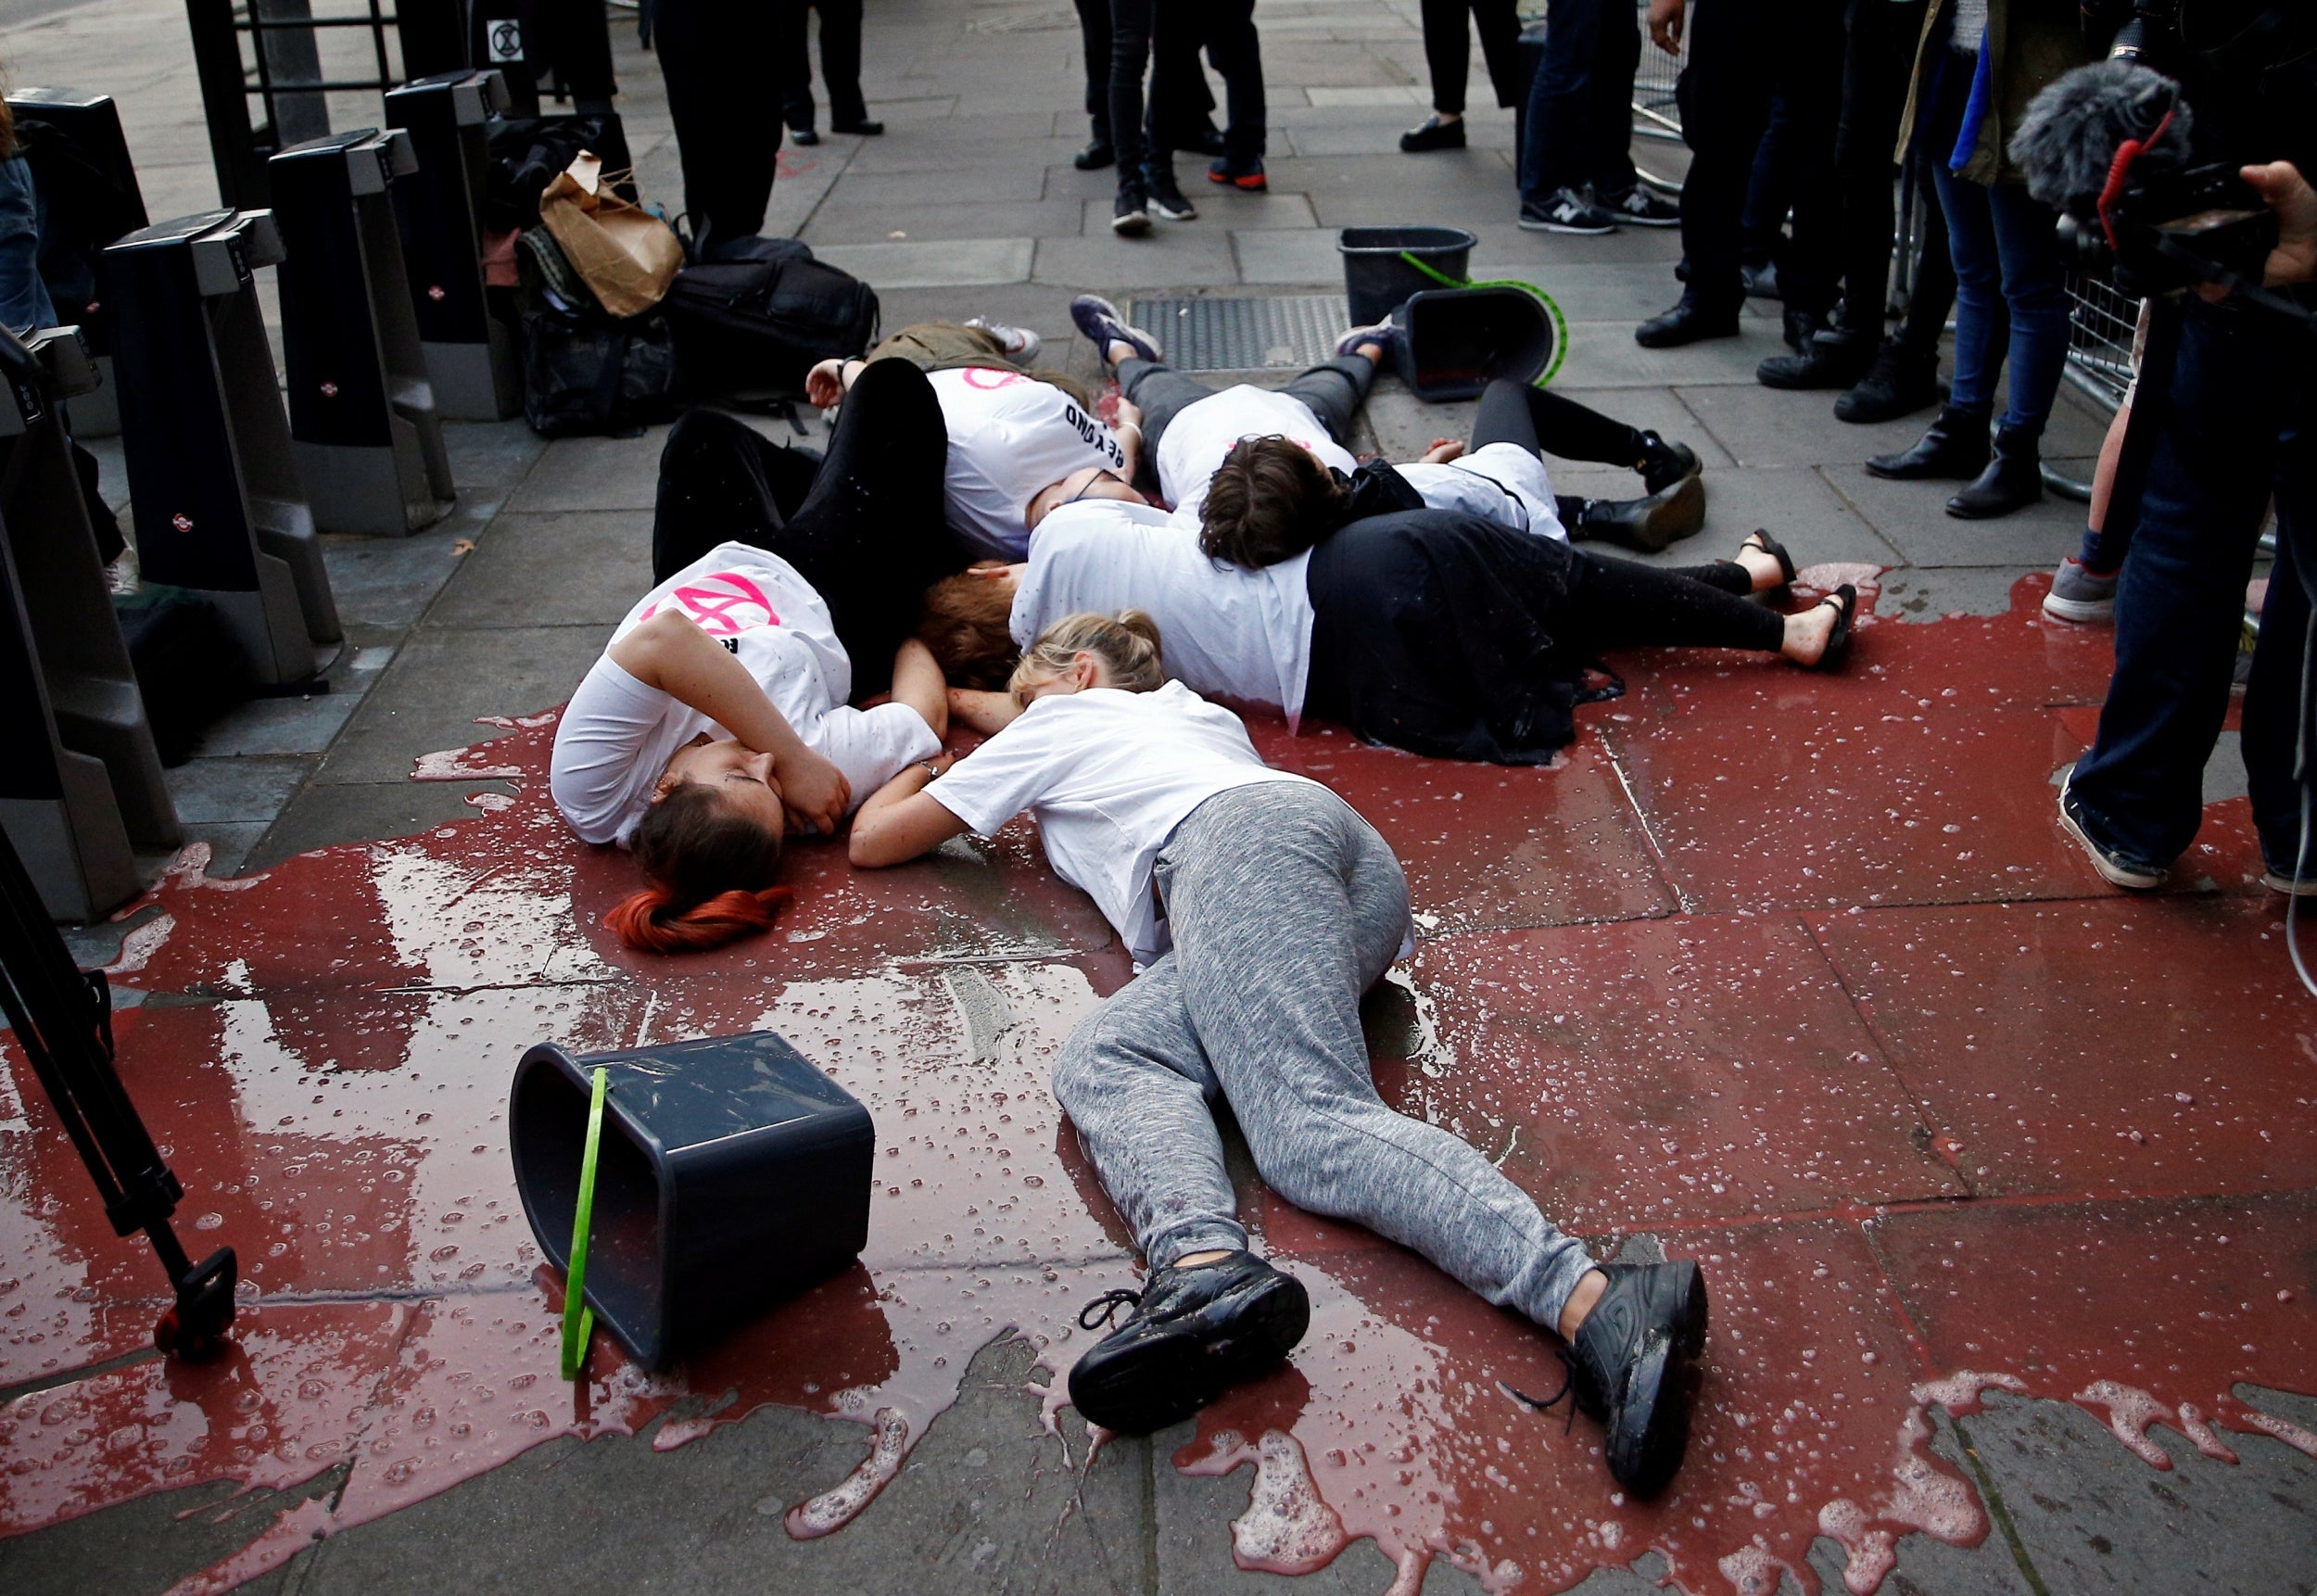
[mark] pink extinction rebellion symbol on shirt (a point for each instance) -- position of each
(723, 604)
(989, 377)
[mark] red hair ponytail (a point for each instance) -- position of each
(650, 922)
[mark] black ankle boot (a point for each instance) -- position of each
(2013, 480)
(1663, 464)
(1645, 526)
(1835, 358)
(1801, 327)
(1954, 448)
(1900, 383)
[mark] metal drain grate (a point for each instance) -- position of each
(1284, 332)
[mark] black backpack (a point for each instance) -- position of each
(585, 369)
(758, 313)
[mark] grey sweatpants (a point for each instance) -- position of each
(1285, 907)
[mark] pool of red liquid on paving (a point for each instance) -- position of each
(1793, 974)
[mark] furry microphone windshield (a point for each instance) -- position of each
(2070, 136)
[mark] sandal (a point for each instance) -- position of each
(1838, 644)
(1759, 538)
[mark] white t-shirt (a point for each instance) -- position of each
(1192, 449)
(1243, 634)
(1009, 438)
(617, 735)
(1108, 775)
(1501, 482)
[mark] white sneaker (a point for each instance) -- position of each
(1016, 343)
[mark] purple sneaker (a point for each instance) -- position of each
(1385, 334)
(1100, 321)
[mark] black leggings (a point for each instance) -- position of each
(1544, 423)
(864, 526)
(1624, 604)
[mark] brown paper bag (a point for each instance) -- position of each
(626, 254)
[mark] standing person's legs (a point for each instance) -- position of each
(794, 62)
(1557, 141)
(1129, 56)
(1333, 390)
(1093, 36)
(1499, 24)
(1617, 61)
(1447, 53)
(1877, 59)
(719, 483)
(1287, 906)
(840, 62)
(2035, 283)
(1164, 393)
(1726, 106)
(1978, 290)
(708, 50)
(871, 535)
(2279, 718)
(1809, 68)
(1237, 50)
(2179, 602)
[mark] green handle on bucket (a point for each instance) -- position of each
(1559, 323)
(579, 1318)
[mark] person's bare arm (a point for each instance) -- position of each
(900, 822)
(1443, 450)
(918, 682)
(831, 380)
(987, 712)
(1666, 19)
(670, 654)
(1129, 432)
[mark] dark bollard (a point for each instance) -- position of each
(471, 355)
(211, 481)
(80, 780)
(732, 1173)
(363, 427)
(88, 186)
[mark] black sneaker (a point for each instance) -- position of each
(1193, 1334)
(805, 136)
(1566, 211)
(1641, 207)
(1130, 215)
(1434, 134)
(1663, 464)
(1633, 1366)
(1166, 197)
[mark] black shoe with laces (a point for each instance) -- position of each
(1663, 464)
(1166, 197)
(1633, 1367)
(1194, 1332)
(1129, 214)
(1901, 382)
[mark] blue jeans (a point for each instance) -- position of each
(1579, 122)
(2239, 423)
(2005, 260)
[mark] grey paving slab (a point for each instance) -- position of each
(1217, 206)
(1768, 427)
(840, 220)
(1377, 134)
(1931, 592)
(1191, 256)
(219, 790)
(1302, 256)
(1913, 516)
(363, 811)
(443, 679)
(557, 568)
(594, 474)
(1603, 355)
(2092, 1518)
(963, 261)
(491, 453)
(230, 841)
(1794, 503)
(278, 726)
(148, 1545)
(388, 582)
(902, 190)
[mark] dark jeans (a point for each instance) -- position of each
(1132, 23)
(1236, 51)
(712, 55)
(1877, 65)
(840, 62)
(1332, 391)
(1743, 54)
(2238, 425)
(1579, 123)
(863, 525)
(1094, 32)
(1448, 50)
(2006, 263)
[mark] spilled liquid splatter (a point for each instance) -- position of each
(1791, 973)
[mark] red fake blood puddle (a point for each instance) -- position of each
(326, 1048)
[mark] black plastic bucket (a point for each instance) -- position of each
(1376, 280)
(731, 1174)
(1459, 340)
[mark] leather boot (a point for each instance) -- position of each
(2013, 480)
(1835, 358)
(1686, 322)
(1645, 526)
(1801, 327)
(1954, 448)
(1900, 383)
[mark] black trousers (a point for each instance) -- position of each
(863, 525)
(1093, 34)
(1744, 54)
(840, 62)
(713, 54)
(1877, 65)
(1448, 50)
(1236, 51)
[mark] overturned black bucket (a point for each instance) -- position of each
(1459, 340)
(732, 1173)
(1379, 273)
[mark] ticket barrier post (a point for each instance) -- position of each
(212, 482)
(471, 356)
(81, 782)
(93, 123)
(363, 427)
